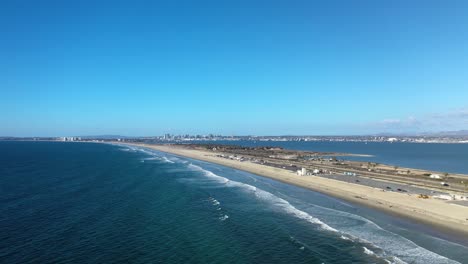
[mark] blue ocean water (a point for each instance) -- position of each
(99, 203)
(451, 158)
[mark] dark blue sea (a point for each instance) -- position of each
(451, 158)
(99, 203)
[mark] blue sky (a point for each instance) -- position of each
(232, 67)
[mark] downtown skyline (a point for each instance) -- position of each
(243, 68)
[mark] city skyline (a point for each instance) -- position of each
(243, 68)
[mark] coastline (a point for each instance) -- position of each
(450, 218)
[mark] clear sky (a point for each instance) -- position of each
(232, 67)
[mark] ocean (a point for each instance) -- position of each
(443, 157)
(99, 203)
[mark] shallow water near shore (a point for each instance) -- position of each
(85, 202)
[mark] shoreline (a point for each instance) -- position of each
(447, 218)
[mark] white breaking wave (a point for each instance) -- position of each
(153, 155)
(167, 160)
(351, 226)
(368, 251)
(214, 201)
(265, 196)
(129, 149)
(224, 217)
(217, 204)
(345, 238)
(151, 158)
(144, 151)
(394, 246)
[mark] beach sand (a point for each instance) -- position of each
(441, 214)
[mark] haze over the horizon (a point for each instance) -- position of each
(243, 67)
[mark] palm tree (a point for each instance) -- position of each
(395, 168)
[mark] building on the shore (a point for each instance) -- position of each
(302, 172)
(70, 138)
(435, 176)
(451, 197)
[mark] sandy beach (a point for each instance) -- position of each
(438, 213)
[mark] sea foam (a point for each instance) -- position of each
(265, 196)
(167, 160)
(224, 217)
(392, 247)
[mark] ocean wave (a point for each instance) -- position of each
(389, 246)
(265, 196)
(167, 160)
(221, 215)
(393, 246)
(368, 251)
(345, 238)
(224, 217)
(299, 243)
(128, 149)
(214, 201)
(151, 158)
(153, 155)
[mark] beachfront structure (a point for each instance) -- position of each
(302, 172)
(70, 138)
(435, 176)
(451, 197)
